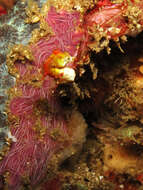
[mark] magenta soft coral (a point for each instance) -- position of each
(67, 35)
(39, 114)
(29, 155)
(113, 18)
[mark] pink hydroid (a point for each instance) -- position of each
(29, 155)
(109, 15)
(67, 35)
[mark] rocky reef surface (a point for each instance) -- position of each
(71, 78)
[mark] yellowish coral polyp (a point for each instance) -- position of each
(56, 66)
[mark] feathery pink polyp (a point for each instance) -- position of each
(37, 109)
(66, 38)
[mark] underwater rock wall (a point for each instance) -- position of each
(59, 64)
